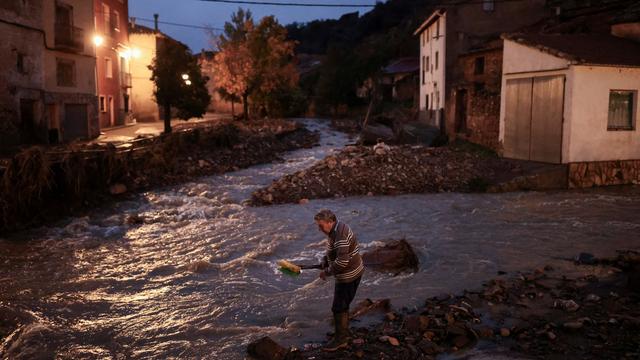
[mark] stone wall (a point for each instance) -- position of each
(483, 119)
(588, 174)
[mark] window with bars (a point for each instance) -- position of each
(621, 110)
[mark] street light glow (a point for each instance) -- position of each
(98, 40)
(135, 52)
(188, 82)
(185, 77)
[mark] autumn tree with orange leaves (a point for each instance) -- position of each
(254, 63)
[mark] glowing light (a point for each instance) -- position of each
(188, 82)
(126, 54)
(98, 40)
(136, 53)
(185, 77)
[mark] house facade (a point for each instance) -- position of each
(143, 103)
(113, 54)
(452, 31)
(48, 79)
(573, 99)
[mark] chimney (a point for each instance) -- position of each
(155, 22)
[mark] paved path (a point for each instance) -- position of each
(130, 132)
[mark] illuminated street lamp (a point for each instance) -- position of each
(185, 77)
(135, 52)
(98, 40)
(188, 82)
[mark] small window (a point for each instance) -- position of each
(102, 104)
(65, 72)
(621, 106)
(426, 101)
(428, 35)
(106, 19)
(478, 67)
(20, 63)
(108, 68)
(437, 60)
(488, 5)
(438, 28)
(424, 66)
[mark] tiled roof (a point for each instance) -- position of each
(140, 29)
(403, 65)
(592, 49)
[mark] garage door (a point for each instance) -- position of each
(533, 119)
(75, 124)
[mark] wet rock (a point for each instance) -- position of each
(567, 305)
(266, 349)
(573, 325)
(429, 347)
(504, 332)
(303, 201)
(395, 256)
(551, 336)
(134, 219)
(416, 323)
(358, 342)
(585, 259)
(393, 341)
(117, 189)
(592, 298)
(374, 132)
(390, 316)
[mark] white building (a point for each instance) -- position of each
(570, 98)
(432, 69)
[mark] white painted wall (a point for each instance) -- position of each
(586, 103)
(589, 111)
(143, 104)
(434, 84)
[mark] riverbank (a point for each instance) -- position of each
(393, 170)
(587, 309)
(41, 185)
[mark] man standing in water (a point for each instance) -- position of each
(343, 261)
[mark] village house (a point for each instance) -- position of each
(462, 28)
(573, 99)
(113, 54)
(145, 41)
(48, 87)
(217, 104)
(399, 80)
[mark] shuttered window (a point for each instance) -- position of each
(621, 104)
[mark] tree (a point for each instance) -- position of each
(254, 61)
(189, 96)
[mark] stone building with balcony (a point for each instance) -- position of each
(113, 54)
(47, 86)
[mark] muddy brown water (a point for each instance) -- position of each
(198, 278)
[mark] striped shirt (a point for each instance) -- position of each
(343, 253)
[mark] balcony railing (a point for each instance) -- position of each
(69, 37)
(125, 80)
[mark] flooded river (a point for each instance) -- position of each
(198, 278)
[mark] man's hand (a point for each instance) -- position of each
(323, 276)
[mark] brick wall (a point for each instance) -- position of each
(588, 174)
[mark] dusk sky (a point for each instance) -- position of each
(204, 13)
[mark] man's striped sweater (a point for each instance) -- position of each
(343, 253)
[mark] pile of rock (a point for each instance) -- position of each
(385, 170)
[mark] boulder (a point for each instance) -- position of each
(372, 133)
(395, 256)
(266, 349)
(368, 306)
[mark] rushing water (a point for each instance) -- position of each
(198, 278)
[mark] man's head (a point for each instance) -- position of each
(325, 220)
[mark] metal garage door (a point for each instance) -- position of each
(533, 120)
(75, 125)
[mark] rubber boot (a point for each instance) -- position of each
(341, 337)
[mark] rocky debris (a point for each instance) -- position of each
(117, 189)
(394, 256)
(367, 306)
(361, 170)
(585, 312)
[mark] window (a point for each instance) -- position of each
(438, 28)
(65, 72)
(478, 67)
(108, 68)
(437, 60)
(20, 63)
(428, 63)
(431, 107)
(102, 104)
(621, 110)
(424, 66)
(488, 5)
(427, 35)
(115, 21)
(106, 18)
(426, 101)
(125, 102)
